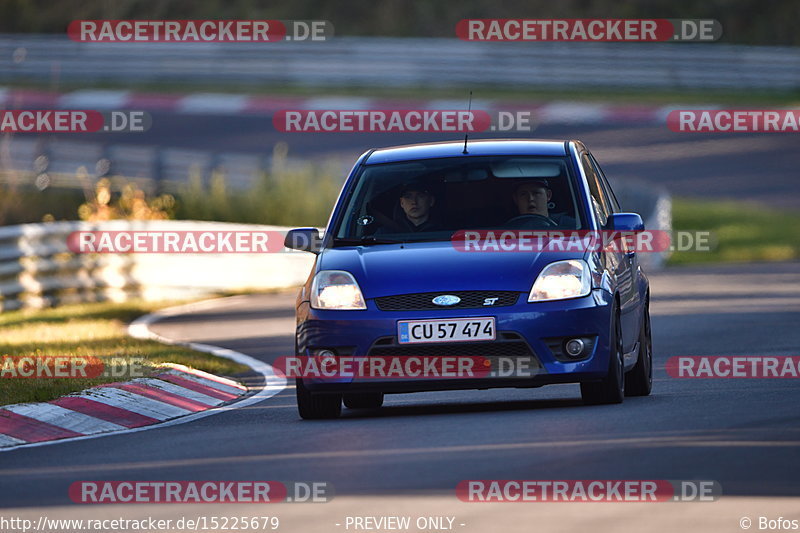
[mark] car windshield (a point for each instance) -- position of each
(430, 199)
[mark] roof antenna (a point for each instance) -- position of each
(466, 135)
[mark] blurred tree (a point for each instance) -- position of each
(132, 204)
(771, 22)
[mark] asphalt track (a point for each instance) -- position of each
(743, 433)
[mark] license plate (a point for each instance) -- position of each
(452, 330)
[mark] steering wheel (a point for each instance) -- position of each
(531, 221)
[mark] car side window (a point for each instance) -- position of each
(600, 203)
(614, 203)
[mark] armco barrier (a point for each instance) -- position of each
(69, 164)
(403, 62)
(37, 268)
(655, 207)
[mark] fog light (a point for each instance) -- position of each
(574, 347)
(326, 358)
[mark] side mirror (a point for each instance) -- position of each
(303, 239)
(625, 222)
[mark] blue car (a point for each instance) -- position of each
(410, 267)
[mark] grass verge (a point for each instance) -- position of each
(740, 232)
(87, 331)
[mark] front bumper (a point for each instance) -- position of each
(535, 327)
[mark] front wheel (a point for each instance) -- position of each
(611, 388)
(317, 406)
(639, 381)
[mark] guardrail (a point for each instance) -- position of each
(655, 207)
(37, 269)
(54, 162)
(404, 62)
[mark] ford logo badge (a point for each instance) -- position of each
(446, 299)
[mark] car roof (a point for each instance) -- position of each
(482, 147)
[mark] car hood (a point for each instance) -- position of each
(388, 269)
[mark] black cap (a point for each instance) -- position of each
(415, 185)
(538, 181)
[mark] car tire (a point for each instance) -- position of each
(317, 406)
(367, 400)
(610, 389)
(639, 381)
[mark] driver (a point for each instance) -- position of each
(416, 201)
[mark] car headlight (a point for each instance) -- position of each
(336, 289)
(562, 280)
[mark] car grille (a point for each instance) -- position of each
(508, 345)
(422, 300)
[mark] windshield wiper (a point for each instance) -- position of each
(364, 241)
